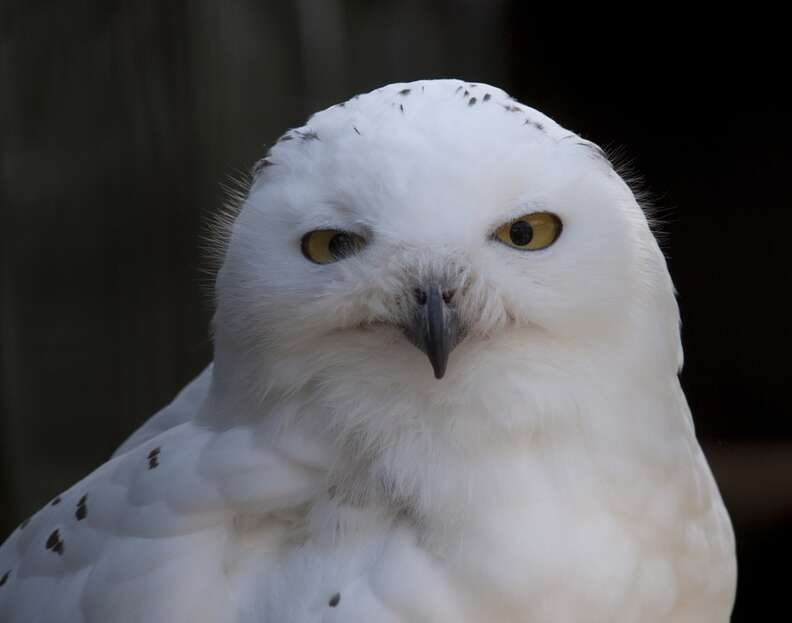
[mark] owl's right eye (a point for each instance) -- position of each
(324, 246)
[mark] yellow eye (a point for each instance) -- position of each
(530, 232)
(323, 246)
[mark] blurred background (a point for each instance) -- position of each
(120, 122)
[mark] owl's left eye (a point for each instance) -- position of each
(530, 232)
(323, 246)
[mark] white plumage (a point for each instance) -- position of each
(318, 471)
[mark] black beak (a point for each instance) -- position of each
(435, 327)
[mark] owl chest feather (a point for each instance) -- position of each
(529, 538)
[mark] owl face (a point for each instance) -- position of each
(415, 235)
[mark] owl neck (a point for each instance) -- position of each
(582, 423)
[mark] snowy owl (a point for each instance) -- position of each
(444, 389)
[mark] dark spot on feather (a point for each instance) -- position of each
(261, 165)
(82, 508)
(472, 101)
(310, 135)
(332, 491)
(466, 93)
(535, 124)
(510, 108)
(404, 92)
(487, 97)
(153, 458)
(56, 501)
(334, 600)
(401, 107)
(356, 130)
(342, 104)
(596, 149)
(54, 543)
(4, 578)
(458, 89)
(285, 137)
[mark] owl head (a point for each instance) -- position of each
(439, 243)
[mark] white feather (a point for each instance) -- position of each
(319, 472)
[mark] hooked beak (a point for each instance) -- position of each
(435, 326)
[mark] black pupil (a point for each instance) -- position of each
(521, 233)
(342, 245)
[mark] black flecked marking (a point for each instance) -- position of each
(261, 165)
(596, 150)
(487, 97)
(401, 107)
(82, 509)
(472, 101)
(55, 543)
(334, 600)
(153, 458)
(404, 92)
(342, 105)
(4, 577)
(511, 108)
(535, 124)
(56, 501)
(466, 93)
(356, 130)
(458, 89)
(285, 137)
(310, 135)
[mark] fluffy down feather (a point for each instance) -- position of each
(317, 471)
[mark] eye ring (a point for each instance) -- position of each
(530, 232)
(325, 246)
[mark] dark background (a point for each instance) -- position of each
(120, 122)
